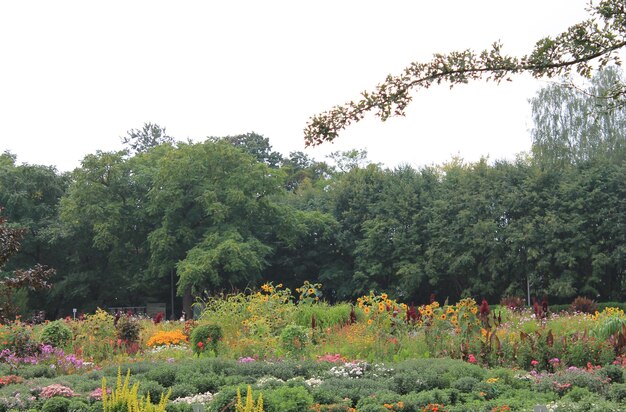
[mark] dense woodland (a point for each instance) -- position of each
(229, 213)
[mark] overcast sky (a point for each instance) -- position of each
(76, 75)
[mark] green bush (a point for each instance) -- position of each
(153, 388)
(164, 374)
(76, 405)
(415, 401)
(376, 401)
(465, 384)
(613, 372)
(204, 382)
(224, 401)
(37, 371)
(353, 389)
(287, 399)
(294, 338)
(57, 334)
(178, 407)
(206, 337)
(182, 390)
(617, 392)
(423, 374)
(56, 404)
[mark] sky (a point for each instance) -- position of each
(75, 76)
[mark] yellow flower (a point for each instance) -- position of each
(311, 291)
(443, 316)
(474, 310)
(369, 321)
(383, 296)
(492, 380)
(366, 310)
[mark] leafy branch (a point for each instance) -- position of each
(595, 39)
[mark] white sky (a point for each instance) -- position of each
(76, 75)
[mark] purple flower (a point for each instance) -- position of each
(247, 359)
(554, 361)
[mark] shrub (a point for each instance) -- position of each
(56, 390)
(56, 404)
(56, 334)
(37, 371)
(165, 375)
(465, 384)
(155, 389)
(584, 305)
(288, 399)
(613, 372)
(181, 390)
(294, 338)
(617, 392)
(76, 405)
(206, 337)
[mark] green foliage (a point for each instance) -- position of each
(57, 334)
(206, 337)
(294, 338)
(163, 374)
(617, 392)
(287, 399)
(602, 33)
(465, 384)
(77, 405)
(614, 373)
(56, 404)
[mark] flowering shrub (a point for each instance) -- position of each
(9, 379)
(349, 370)
(56, 390)
(201, 398)
(206, 337)
(171, 337)
(96, 394)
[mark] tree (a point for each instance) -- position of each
(595, 39)
(34, 278)
(150, 135)
(570, 129)
(255, 145)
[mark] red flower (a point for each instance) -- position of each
(200, 345)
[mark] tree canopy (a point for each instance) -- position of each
(594, 40)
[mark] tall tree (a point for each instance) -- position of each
(573, 125)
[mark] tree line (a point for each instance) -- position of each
(228, 213)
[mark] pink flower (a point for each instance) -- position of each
(200, 345)
(534, 362)
(471, 359)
